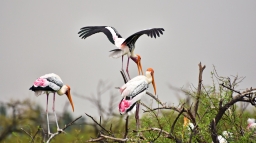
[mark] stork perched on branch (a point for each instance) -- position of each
(51, 83)
(133, 91)
(125, 46)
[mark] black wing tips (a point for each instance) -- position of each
(114, 50)
(47, 88)
(155, 32)
(83, 32)
(89, 30)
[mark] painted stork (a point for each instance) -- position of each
(225, 135)
(251, 123)
(188, 126)
(51, 83)
(125, 46)
(133, 91)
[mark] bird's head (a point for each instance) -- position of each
(150, 74)
(137, 60)
(69, 97)
(186, 121)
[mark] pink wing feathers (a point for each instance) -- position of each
(47, 83)
(41, 82)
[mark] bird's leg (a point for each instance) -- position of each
(137, 117)
(47, 114)
(122, 63)
(53, 109)
(127, 68)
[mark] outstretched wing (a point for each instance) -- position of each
(130, 41)
(110, 32)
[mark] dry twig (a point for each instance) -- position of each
(59, 132)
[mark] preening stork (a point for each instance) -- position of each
(133, 91)
(125, 46)
(51, 83)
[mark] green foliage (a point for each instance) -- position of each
(155, 126)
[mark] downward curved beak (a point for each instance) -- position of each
(186, 121)
(140, 67)
(153, 83)
(70, 99)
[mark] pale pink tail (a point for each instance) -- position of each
(116, 53)
(39, 92)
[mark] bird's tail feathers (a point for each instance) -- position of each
(116, 53)
(39, 92)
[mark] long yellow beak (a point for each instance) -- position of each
(153, 83)
(186, 121)
(70, 99)
(140, 67)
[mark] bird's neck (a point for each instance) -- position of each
(149, 77)
(62, 90)
(133, 55)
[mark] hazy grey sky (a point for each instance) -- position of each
(41, 37)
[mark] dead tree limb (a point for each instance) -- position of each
(124, 76)
(200, 79)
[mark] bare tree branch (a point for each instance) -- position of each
(174, 123)
(59, 132)
(201, 69)
(154, 97)
(26, 133)
(114, 139)
(33, 138)
(124, 76)
(98, 124)
(96, 140)
(126, 127)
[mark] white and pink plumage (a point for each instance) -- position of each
(51, 83)
(134, 90)
(125, 46)
(251, 123)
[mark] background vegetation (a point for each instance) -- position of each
(211, 109)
